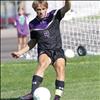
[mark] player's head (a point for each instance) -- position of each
(21, 10)
(40, 6)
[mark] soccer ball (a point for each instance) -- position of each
(69, 53)
(41, 93)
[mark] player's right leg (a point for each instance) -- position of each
(44, 62)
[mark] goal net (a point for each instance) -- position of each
(81, 26)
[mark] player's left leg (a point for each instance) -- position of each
(59, 66)
(24, 41)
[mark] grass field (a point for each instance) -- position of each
(82, 78)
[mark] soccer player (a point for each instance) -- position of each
(44, 31)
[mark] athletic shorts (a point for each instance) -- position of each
(53, 54)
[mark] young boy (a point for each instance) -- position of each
(44, 31)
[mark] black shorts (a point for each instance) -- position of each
(53, 54)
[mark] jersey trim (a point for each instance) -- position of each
(47, 25)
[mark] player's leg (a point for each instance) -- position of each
(24, 41)
(19, 42)
(59, 66)
(44, 62)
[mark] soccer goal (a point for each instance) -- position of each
(81, 26)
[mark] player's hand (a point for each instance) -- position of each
(15, 54)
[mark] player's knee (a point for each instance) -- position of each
(60, 68)
(43, 65)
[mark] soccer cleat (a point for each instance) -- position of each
(28, 96)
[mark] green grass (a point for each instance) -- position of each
(82, 78)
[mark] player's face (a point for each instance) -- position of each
(41, 11)
(21, 11)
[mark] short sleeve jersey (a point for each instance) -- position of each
(47, 31)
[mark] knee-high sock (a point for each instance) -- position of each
(59, 85)
(36, 81)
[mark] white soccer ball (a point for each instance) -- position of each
(69, 53)
(41, 93)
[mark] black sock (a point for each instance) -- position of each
(36, 81)
(59, 85)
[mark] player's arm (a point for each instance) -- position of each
(61, 12)
(66, 7)
(28, 47)
(32, 43)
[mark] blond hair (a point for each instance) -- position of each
(37, 2)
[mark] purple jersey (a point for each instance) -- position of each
(46, 31)
(21, 25)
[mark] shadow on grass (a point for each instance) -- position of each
(9, 99)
